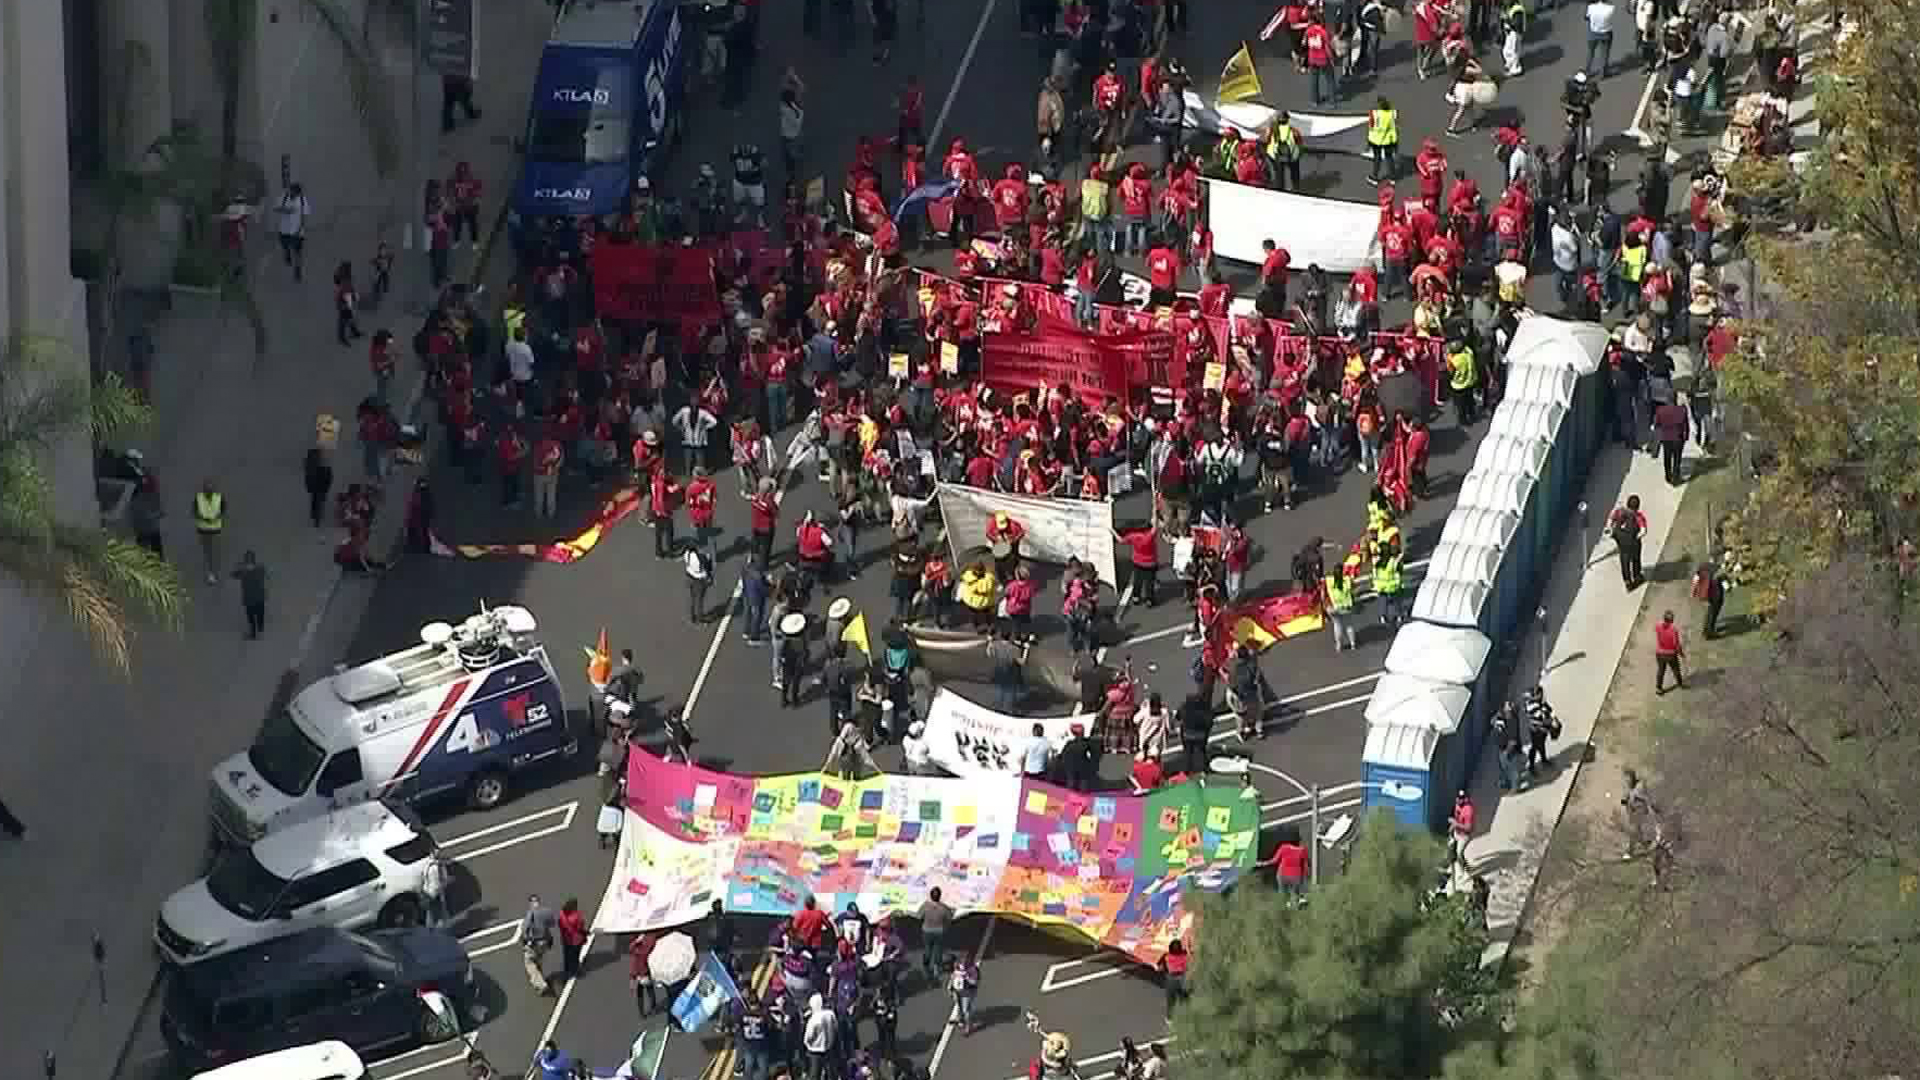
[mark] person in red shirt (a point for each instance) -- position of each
(1143, 544)
(662, 496)
(1430, 167)
(547, 459)
(512, 452)
(1163, 274)
(1460, 828)
(810, 925)
(465, 189)
(1508, 229)
(815, 548)
(1109, 93)
(1396, 257)
(1419, 445)
(380, 359)
(700, 507)
(1290, 867)
(1053, 263)
(1136, 204)
(1317, 42)
(573, 938)
(1668, 649)
(1003, 536)
(1236, 554)
(640, 974)
(763, 509)
(911, 105)
(1273, 269)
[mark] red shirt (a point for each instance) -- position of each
(1274, 267)
(809, 924)
(1666, 639)
(980, 472)
(1291, 862)
(572, 926)
(700, 501)
(1319, 45)
(1053, 266)
(547, 458)
(764, 510)
(1145, 544)
(811, 539)
(1396, 243)
(1163, 268)
(380, 355)
(513, 451)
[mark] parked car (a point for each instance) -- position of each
(360, 866)
(363, 990)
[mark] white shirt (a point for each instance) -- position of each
(792, 119)
(1566, 249)
(694, 425)
(919, 756)
(1518, 164)
(820, 1030)
(520, 361)
(1600, 17)
(292, 214)
(697, 566)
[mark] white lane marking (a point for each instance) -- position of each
(565, 812)
(713, 652)
(1640, 111)
(512, 930)
(1325, 792)
(960, 76)
(1303, 815)
(953, 1015)
(1234, 732)
(560, 1006)
(457, 1059)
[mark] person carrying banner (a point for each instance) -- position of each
(1004, 535)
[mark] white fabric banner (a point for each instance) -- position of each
(1253, 119)
(1057, 529)
(972, 740)
(1340, 236)
(660, 880)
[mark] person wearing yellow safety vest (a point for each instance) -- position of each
(1387, 539)
(1634, 257)
(1283, 150)
(1383, 141)
(209, 521)
(1339, 595)
(1387, 584)
(1463, 381)
(1379, 511)
(977, 591)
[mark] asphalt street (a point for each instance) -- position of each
(979, 75)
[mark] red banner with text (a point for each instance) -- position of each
(1096, 366)
(668, 284)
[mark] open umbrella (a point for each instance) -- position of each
(672, 959)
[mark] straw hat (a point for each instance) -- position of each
(840, 608)
(793, 624)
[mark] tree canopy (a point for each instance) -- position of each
(1373, 979)
(104, 580)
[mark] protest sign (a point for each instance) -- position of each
(1057, 529)
(969, 739)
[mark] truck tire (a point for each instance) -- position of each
(401, 912)
(487, 789)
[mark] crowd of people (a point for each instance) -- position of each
(841, 358)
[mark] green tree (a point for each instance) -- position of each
(1829, 366)
(104, 581)
(1367, 980)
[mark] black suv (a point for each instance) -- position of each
(362, 989)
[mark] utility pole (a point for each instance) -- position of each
(1313, 837)
(1540, 617)
(411, 203)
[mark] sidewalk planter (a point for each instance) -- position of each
(1429, 715)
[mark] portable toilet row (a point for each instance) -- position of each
(1428, 717)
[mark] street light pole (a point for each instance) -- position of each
(1586, 542)
(1313, 836)
(1540, 616)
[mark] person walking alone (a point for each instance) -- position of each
(209, 521)
(935, 917)
(252, 577)
(290, 222)
(573, 938)
(1627, 525)
(699, 565)
(1668, 651)
(536, 937)
(346, 305)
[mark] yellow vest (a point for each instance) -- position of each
(1377, 518)
(1386, 576)
(1460, 369)
(1093, 199)
(515, 317)
(209, 509)
(1385, 128)
(1283, 143)
(1339, 593)
(1633, 263)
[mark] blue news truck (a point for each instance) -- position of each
(607, 104)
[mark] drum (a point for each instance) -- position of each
(1002, 550)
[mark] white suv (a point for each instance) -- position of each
(362, 865)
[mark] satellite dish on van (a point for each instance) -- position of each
(436, 634)
(517, 620)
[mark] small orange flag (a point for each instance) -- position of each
(600, 661)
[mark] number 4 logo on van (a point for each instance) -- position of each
(466, 736)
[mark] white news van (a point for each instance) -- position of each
(458, 713)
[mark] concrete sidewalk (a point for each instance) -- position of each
(111, 775)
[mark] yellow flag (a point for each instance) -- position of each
(1240, 80)
(856, 635)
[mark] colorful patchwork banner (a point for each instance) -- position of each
(616, 508)
(1109, 866)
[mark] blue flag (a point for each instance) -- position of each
(922, 195)
(711, 991)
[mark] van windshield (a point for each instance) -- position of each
(243, 886)
(596, 139)
(284, 756)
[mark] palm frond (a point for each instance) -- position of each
(41, 398)
(130, 575)
(116, 408)
(104, 582)
(372, 100)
